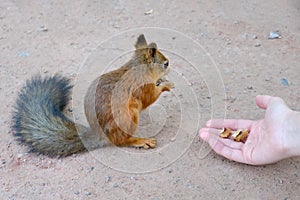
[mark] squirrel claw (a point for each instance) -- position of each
(150, 143)
(145, 143)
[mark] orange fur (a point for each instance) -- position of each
(122, 94)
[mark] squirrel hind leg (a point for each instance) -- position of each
(145, 143)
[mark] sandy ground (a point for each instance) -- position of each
(47, 37)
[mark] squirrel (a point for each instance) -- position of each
(112, 106)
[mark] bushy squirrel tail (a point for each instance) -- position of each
(38, 119)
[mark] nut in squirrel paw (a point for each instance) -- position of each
(161, 80)
(165, 84)
(238, 136)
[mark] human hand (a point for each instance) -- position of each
(267, 141)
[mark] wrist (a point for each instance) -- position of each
(292, 133)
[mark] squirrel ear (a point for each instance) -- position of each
(152, 49)
(141, 42)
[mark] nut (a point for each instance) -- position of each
(242, 135)
(236, 134)
(225, 133)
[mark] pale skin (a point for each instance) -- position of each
(273, 138)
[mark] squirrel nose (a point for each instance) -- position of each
(166, 64)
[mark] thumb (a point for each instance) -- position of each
(263, 101)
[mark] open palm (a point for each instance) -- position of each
(265, 143)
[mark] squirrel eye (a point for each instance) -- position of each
(166, 64)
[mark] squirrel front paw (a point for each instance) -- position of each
(167, 86)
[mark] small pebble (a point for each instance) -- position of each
(232, 99)
(244, 35)
(149, 12)
(23, 54)
(280, 181)
(190, 185)
(8, 143)
(107, 178)
(257, 44)
(115, 185)
(88, 193)
(274, 35)
(89, 169)
(228, 42)
(43, 28)
(284, 82)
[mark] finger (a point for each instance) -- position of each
(206, 135)
(263, 101)
(229, 153)
(230, 123)
(224, 147)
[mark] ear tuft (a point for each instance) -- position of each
(141, 42)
